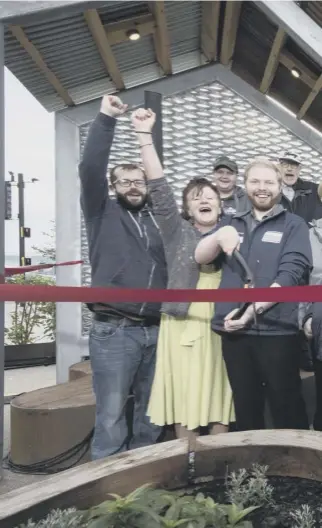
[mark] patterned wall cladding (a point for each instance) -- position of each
(198, 125)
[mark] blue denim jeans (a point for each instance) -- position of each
(122, 359)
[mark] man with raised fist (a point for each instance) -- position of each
(125, 251)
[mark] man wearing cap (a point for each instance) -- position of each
(299, 196)
(233, 198)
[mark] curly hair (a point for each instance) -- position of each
(199, 184)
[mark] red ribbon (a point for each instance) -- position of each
(24, 293)
(25, 269)
(44, 293)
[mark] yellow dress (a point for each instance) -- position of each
(191, 385)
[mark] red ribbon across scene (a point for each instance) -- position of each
(44, 293)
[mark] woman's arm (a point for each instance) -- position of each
(161, 194)
(225, 239)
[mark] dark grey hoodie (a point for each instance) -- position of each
(236, 203)
(125, 248)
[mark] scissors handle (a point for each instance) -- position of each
(248, 272)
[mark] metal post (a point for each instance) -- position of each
(21, 216)
(153, 100)
(2, 246)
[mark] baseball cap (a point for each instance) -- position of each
(224, 161)
(290, 156)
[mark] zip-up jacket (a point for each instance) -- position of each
(306, 202)
(276, 250)
(314, 310)
(125, 248)
(237, 203)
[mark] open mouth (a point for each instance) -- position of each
(205, 209)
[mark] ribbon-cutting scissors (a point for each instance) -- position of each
(248, 274)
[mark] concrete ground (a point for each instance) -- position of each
(18, 381)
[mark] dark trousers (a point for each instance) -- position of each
(260, 367)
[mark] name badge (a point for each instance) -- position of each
(274, 237)
(241, 237)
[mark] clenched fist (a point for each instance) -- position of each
(228, 239)
(143, 120)
(112, 106)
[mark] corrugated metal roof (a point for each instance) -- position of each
(183, 21)
(68, 49)
(67, 46)
(297, 91)
(254, 40)
(131, 55)
(117, 11)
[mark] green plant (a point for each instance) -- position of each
(59, 519)
(303, 517)
(132, 511)
(249, 488)
(28, 317)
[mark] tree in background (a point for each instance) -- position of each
(31, 322)
(48, 252)
(28, 317)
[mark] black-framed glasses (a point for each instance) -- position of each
(128, 183)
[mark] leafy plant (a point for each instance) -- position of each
(132, 511)
(249, 488)
(28, 317)
(59, 519)
(303, 517)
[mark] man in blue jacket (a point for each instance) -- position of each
(261, 349)
(125, 251)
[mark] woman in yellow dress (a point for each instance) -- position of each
(191, 387)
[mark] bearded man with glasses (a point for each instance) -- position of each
(125, 251)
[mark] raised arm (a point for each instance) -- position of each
(161, 194)
(93, 167)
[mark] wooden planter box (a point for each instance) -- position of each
(286, 453)
(18, 356)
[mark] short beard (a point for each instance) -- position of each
(124, 202)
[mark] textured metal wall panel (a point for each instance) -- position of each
(198, 126)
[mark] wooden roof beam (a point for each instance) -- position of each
(161, 36)
(38, 59)
(100, 37)
(310, 98)
(209, 29)
(273, 60)
(231, 22)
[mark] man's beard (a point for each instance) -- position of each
(124, 201)
(261, 206)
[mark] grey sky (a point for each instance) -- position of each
(29, 147)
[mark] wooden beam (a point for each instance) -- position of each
(273, 60)
(99, 35)
(37, 58)
(290, 62)
(209, 29)
(310, 98)
(161, 36)
(231, 22)
(298, 25)
(116, 33)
